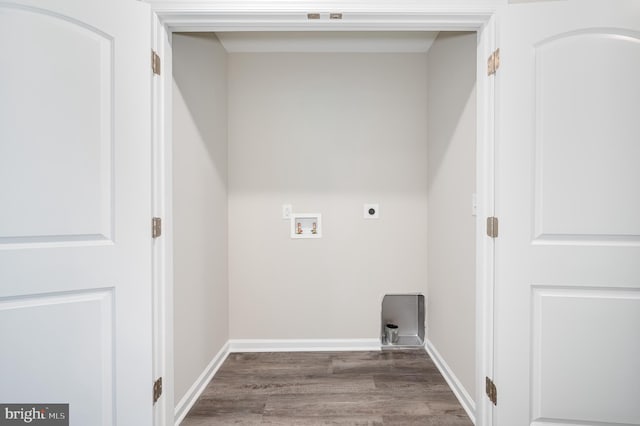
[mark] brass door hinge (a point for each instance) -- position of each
(492, 392)
(493, 63)
(155, 62)
(157, 390)
(492, 227)
(156, 227)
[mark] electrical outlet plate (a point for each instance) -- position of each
(474, 205)
(287, 210)
(367, 211)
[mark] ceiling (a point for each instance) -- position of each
(328, 41)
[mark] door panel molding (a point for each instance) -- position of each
(59, 166)
(571, 380)
(76, 331)
(586, 138)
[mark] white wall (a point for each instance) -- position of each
(199, 205)
(451, 166)
(326, 133)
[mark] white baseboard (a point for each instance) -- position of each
(194, 392)
(460, 392)
(303, 345)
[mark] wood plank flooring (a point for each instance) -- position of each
(399, 387)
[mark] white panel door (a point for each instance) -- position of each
(567, 307)
(75, 244)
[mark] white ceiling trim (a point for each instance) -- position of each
(431, 6)
(291, 15)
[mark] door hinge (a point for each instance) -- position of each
(156, 227)
(493, 63)
(491, 390)
(157, 390)
(492, 227)
(155, 62)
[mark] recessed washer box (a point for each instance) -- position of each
(306, 225)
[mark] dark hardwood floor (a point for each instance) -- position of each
(328, 388)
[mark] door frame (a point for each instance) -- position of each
(289, 15)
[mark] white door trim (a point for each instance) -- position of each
(485, 186)
(162, 176)
(288, 15)
(283, 15)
